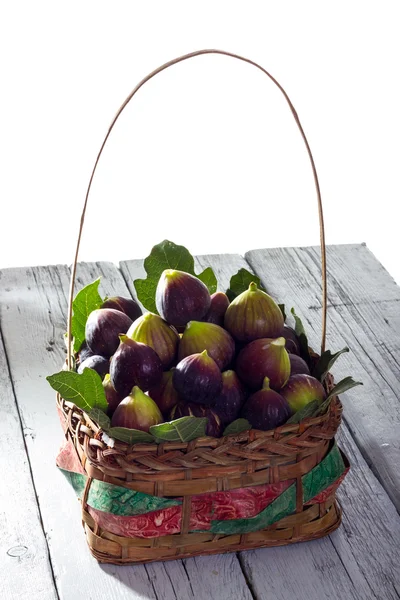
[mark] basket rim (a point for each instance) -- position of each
(249, 435)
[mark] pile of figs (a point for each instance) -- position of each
(200, 356)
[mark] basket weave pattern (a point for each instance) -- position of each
(204, 465)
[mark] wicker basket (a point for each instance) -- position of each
(295, 469)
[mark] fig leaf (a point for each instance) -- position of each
(283, 311)
(301, 334)
(85, 390)
(130, 436)
(101, 418)
(168, 255)
(184, 429)
(237, 426)
(325, 363)
(309, 410)
(86, 301)
(345, 384)
(240, 283)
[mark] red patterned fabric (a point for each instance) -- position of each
(68, 459)
(235, 504)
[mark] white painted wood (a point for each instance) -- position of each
(33, 328)
(25, 566)
(373, 411)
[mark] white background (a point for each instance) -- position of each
(207, 154)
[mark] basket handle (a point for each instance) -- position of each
(128, 99)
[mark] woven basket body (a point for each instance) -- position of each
(173, 500)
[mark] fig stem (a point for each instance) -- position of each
(253, 287)
(265, 385)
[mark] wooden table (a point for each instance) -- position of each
(42, 547)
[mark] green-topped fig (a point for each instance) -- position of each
(217, 310)
(197, 378)
(137, 411)
(199, 336)
(164, 394)
(264, 358)
(301, 390)
(134, 363)
(112, 396)
(190, 409)
(152, 330)
(103, 328)
(230, 399)
(126, 305)
(253, 315)
(181, 297)
(266, 409)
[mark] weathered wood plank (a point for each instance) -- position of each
(331, 567)
(372, 412)
(33, 330)
(26, 570)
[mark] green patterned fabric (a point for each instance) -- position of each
(284, 505)
(115, 499)
(323, 475)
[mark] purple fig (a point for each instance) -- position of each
(217, 310)
(126, 305)
(103, 329)
(199, 336)
(190, 409)
(292, 341)
(198, 379)
(181, 297)
(137, 411)
(264, 358)
(84, 352)
(134, 364)
(266, 409)
(301, 390)
(253, 315)
(100, 364)
(230, 399)
(298, 366)
(152, 330)
(164, 394)
(112, 396)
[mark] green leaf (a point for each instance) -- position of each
(301, 334)
(325, 363)
(180, 430)
(130, 436)
(309, 410)
(209, 279)
(237, 427)
(87, 300)
(282, 307)
(85, 390)
(168, 255)
(346, 384)
(101, 418)
(240, 283)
